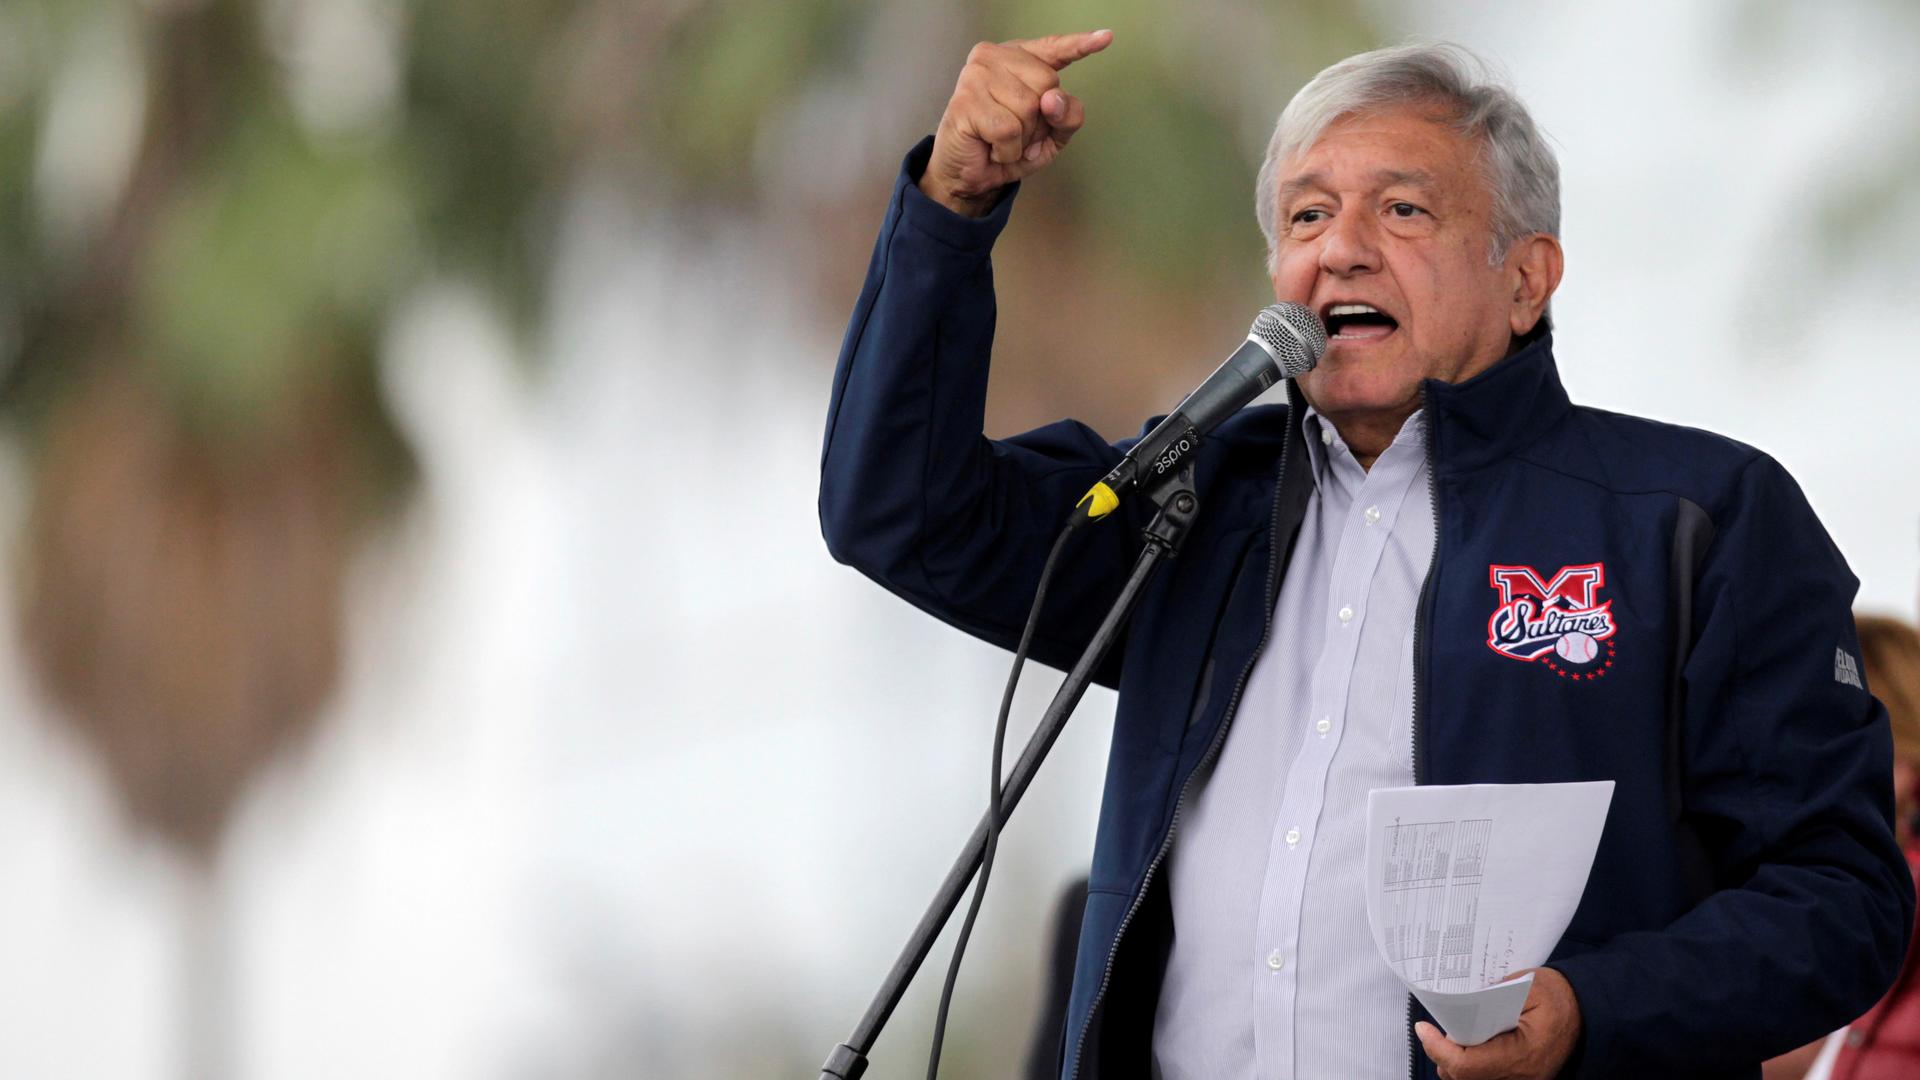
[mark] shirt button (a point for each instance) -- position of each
(1275, 960)
(1326, 439)
(1854, 1038)
(1323, 725)
(1346, 615)
(1373, 515)
(1293, 836)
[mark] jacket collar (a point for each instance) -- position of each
(1499, 411)
(1483, 419)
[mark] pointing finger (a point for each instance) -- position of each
(1059, 50)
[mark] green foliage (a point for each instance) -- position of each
(279, 255)
(1164, 172)
(21, 262)
(476, 128)
(725, 70)
(274, 252)
(1177, 114)
(1166, 164)
(27, 33)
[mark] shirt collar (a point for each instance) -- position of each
(1333, 460)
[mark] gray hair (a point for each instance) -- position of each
(1518, 164)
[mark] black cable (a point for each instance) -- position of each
(993, 797)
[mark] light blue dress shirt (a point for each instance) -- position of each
(1273, 973)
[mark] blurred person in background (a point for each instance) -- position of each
(1467, 579)
(1885, 1043)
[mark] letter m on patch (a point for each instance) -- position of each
(1574, 586)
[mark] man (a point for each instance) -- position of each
(1427, 567)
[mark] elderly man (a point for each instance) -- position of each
(1427, 567)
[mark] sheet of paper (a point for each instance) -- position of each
(1469, 884)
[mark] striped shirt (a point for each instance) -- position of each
(1273, 972)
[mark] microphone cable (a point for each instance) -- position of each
(993, 797)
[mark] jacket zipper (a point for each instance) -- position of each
(1219, 738)
(1422, 611)
(1420, 619)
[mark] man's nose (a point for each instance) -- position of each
(1350, 245)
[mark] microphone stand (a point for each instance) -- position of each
(1178, 507)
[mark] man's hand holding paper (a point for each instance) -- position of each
(1469, 890)
(1548, 1030)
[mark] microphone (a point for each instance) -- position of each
(1286, 340)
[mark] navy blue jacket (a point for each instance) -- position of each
(1747, 895)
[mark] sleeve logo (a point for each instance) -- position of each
(1845, 669)
(1561, 622)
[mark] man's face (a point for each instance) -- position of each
(1389, 210)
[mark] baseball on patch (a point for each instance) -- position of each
(1576, 647)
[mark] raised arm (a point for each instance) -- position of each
(911, 493)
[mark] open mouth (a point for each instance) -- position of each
(1358, 322)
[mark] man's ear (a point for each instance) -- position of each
(1534, 265)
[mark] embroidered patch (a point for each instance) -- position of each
(1560, 622)
(1846, 670)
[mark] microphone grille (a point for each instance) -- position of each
(1293, 334)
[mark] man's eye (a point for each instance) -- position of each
(1405, 209)
(1308, 217)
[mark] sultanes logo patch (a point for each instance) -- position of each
(1560, 622)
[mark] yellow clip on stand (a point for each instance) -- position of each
(1099, 501)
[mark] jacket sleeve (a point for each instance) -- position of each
(912, 494)
(1787, 775)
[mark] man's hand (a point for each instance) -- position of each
(1007, 119)
(1549, 1029)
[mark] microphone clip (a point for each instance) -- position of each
(1174, 494)
(1179, 505)
(1165, 456)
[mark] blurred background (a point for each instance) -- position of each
(419, 658)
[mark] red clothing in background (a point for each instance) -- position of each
(1885, 1043)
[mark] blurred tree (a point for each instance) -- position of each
(211, 209)
(194, 321)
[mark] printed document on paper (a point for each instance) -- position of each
(1468, 884)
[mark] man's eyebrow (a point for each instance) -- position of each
(1306, 182)
(1382, 178)
(1387, 178)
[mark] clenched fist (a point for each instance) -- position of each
(1007, 119)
